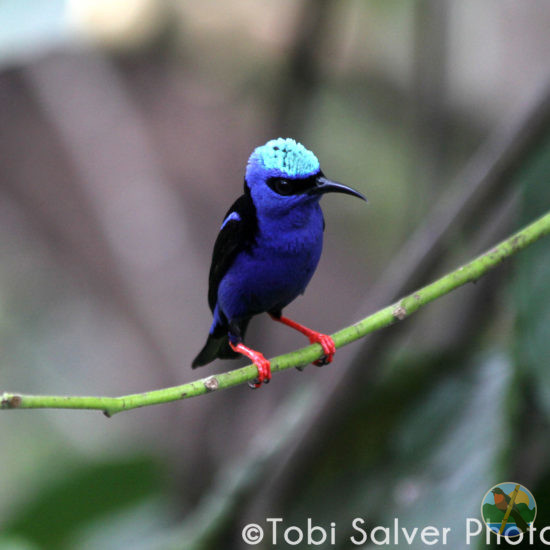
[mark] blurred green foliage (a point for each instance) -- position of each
(531, 284)
(91, 494)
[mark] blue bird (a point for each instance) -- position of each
(267, 250)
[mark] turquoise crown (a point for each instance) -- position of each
(286, 157)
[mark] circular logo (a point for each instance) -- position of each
(509, 509)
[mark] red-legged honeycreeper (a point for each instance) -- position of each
(267, 250)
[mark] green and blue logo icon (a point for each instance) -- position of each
(509, 509)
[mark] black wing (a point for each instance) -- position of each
(238, 233)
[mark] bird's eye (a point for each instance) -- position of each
(282, 186)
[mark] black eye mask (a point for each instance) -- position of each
(287, 186)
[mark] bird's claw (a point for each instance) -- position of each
(262, 364)
(327, 343)
(264, 372)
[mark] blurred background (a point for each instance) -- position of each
(125, 128)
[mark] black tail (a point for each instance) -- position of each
(214, 347)
(217, 346)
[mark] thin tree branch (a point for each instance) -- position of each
(384, 317)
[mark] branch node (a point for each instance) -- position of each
(211, 383)
(399, 312)
(10, 401)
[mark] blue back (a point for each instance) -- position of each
(277, 268)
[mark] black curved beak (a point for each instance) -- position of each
(324, 185)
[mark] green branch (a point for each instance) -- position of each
(382, 318)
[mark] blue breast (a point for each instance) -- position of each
(277, 268)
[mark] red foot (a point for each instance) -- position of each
(326, 342)
(264, 368)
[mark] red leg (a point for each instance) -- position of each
(264, 368)
(326, 342)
